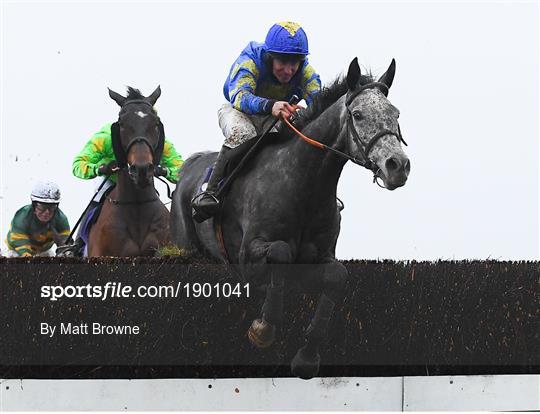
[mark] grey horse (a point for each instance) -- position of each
(281, 209)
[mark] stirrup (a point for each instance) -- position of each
(67, 250)
(203, 212)
(201, 195)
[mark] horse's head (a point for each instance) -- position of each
(374, 135)
(138, 136)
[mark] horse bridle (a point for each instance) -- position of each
(139, 139)
(134, 141)
(351, 130)
(364, 149)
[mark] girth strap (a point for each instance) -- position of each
(220, 240)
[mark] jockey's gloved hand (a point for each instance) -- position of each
(108, 169)
(282, 108)
(160, 171)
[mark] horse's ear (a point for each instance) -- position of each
(154, 96)
(353, 75)
(388, 77)
(119, 99)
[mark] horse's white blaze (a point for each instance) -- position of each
(141, 114)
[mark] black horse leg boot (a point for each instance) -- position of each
(206, 204)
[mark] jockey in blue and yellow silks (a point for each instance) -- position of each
(252, 88)
(261, 82)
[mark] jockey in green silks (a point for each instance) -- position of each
(37, 226)
(97, 159)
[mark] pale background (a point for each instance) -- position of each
(466, 85)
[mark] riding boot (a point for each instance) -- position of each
(76, 249)
(206, 204)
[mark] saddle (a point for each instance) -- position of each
(88, 221)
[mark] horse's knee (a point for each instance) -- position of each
(279, 252)
(262, 251)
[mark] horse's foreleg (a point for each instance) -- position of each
(307, 360)
(262, 331)
(334, 279)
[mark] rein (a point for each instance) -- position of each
(320, 145)
(120, 202)
(167, 185)
(365, 149)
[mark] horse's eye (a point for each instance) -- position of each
(357, 115)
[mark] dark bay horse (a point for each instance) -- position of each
(133, 220)
(282, 210)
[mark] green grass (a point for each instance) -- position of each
(173, 251)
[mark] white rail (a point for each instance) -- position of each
(471, 393)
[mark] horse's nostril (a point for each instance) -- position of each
(392, 164)
(407, 167)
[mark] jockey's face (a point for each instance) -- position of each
(284, 71)
(44, 211)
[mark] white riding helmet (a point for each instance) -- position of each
(46, 192)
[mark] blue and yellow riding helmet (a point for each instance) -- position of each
(287, 38)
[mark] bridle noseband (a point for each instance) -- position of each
(351, 130)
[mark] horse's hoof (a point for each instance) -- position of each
(261, 333)
(305, 365)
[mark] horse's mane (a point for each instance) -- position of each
(134, 94)
(323, 100)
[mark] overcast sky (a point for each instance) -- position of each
(466, 85)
